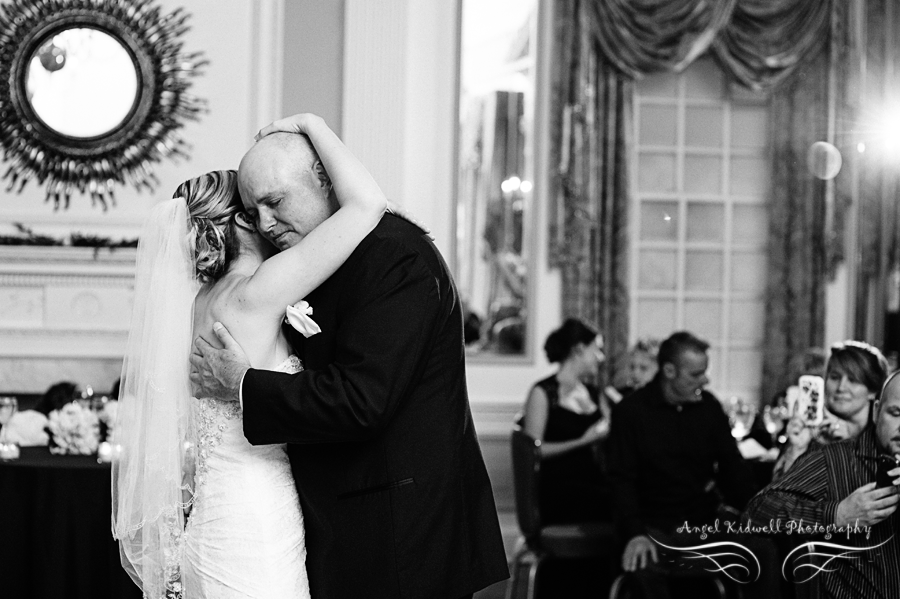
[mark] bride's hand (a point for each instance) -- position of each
(299, 123)
(218, 372)
(397, 210)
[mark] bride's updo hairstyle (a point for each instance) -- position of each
(212, 201)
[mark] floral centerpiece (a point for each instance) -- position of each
(74, 429)
(107, 415)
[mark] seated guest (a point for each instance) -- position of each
(668, 442)
(836, 486)
(565, 413)
(642, 368)
(114, 392)
(853, 375)
(57, 396)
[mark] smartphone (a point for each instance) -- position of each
(885, 464)
(811, 400)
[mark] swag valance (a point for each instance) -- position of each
(757, 42)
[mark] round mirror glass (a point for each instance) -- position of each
(82, 82)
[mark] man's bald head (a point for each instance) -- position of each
(887, 416)
(285, 188)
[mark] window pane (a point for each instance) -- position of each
(750, 224)
(658, 85)
(746, 321)
(703, 271)
(656, 172)
(705, 221)
(749, 126)
(703, 174)
(659, 221)
(655, 318)
(703, 318)
(704, 80)
(744, 371)
(750, 175)
(703, 127)
(748, 272)
(657, 270)
(659, 125)
(714, 371)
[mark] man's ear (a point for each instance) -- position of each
(322, 174)
(669, 370)
(243, 220)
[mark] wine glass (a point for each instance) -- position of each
(774, 418)
(8, 407)
(741, 415)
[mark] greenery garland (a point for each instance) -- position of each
(28, 237)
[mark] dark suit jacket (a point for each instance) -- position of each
(396, 498)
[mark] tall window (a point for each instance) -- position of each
(699, 222)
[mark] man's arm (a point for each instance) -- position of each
(734, 476)
(802, 493)
(379, 350)
(623, 467)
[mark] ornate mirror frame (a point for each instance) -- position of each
(124, 155)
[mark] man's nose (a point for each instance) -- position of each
(845, 382)
(266, 222)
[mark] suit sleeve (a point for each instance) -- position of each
(623, 464)
(380, 345)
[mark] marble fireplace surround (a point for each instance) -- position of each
(64, 315)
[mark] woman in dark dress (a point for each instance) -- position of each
(567, 414)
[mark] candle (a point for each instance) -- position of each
(104, 453)
(9, 451)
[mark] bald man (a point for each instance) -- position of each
(836, 488)
(395, 494)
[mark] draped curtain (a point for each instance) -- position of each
(601, 47)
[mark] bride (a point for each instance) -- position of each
(198, 511)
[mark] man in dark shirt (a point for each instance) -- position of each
(835, 489)
(668, 442)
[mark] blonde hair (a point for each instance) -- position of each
(212, 201)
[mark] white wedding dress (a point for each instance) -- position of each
(244, 537)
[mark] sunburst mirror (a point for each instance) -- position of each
(93, 94)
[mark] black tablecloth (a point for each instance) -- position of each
(55, 522)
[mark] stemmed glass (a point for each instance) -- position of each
(774, 418)
(741, 415)
(8, 407)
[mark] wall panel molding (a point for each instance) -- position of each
(59, 302)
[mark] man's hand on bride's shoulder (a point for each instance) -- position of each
(218, 372)
(298, 123)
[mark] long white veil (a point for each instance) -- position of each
(150, 490)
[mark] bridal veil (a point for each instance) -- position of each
(151, 486)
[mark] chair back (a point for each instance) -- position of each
(526, 462)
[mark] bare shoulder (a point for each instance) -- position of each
(228, 302)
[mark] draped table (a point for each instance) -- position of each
(55, 539)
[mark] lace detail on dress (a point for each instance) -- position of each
(292, 365)
(212, 417)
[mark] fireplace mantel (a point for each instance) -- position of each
(65, 302)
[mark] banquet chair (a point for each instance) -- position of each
(539, 541)
(623, 586)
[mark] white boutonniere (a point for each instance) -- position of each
(298, 316)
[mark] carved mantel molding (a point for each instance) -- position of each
(65, 302)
